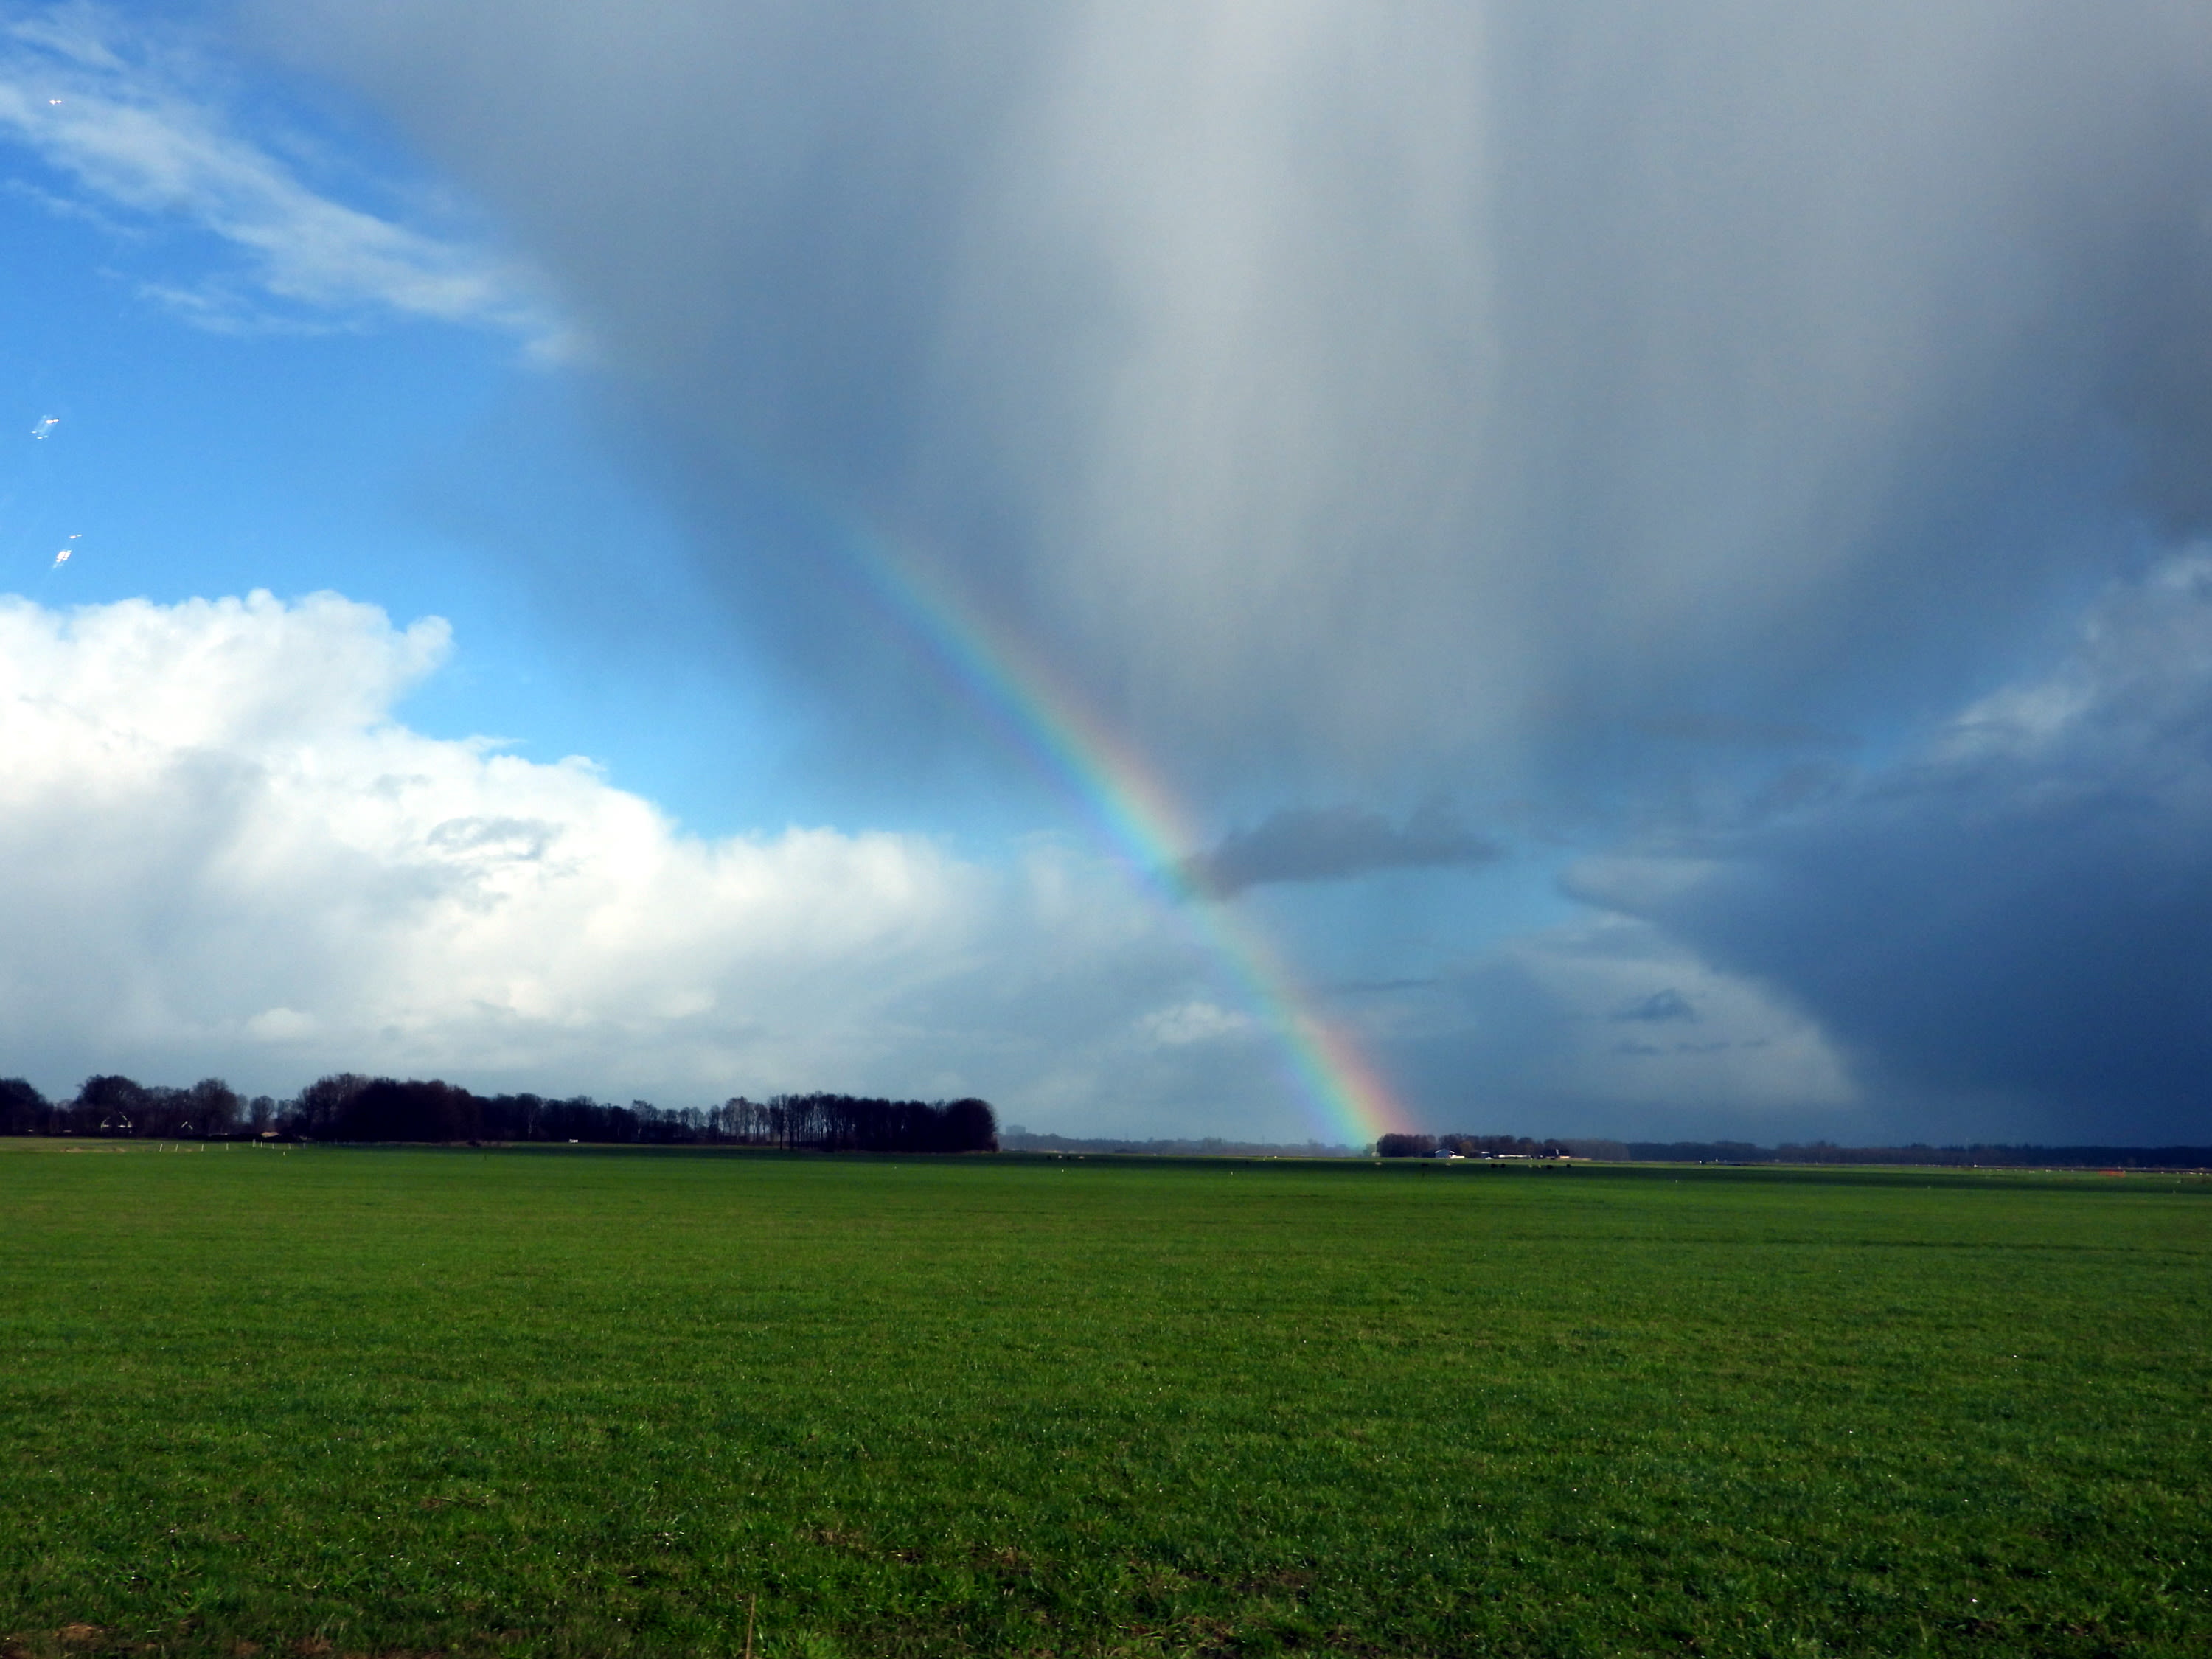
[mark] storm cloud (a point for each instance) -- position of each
(2015, 918)
(1330, 843)
(1344, 399)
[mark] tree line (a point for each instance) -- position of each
(352, 1107)
(1980, 1155)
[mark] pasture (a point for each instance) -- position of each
(576, 1401)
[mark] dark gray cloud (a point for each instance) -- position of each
(1662, 1005)
(1329, 843)
(1342, 400)
(1578, 1027)
(2014, 922)
(1701, 727)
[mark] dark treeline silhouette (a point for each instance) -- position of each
(1979, 1155)
(117, 1106)
(350, 1107)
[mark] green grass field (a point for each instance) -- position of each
(573, 1401)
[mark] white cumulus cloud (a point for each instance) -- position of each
(221, 852)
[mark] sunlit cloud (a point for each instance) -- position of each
(221, 850)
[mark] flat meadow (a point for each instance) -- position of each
(581, 1400)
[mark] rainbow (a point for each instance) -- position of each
(1125, 798)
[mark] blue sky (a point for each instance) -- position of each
(1596, 521)
(422, 464)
